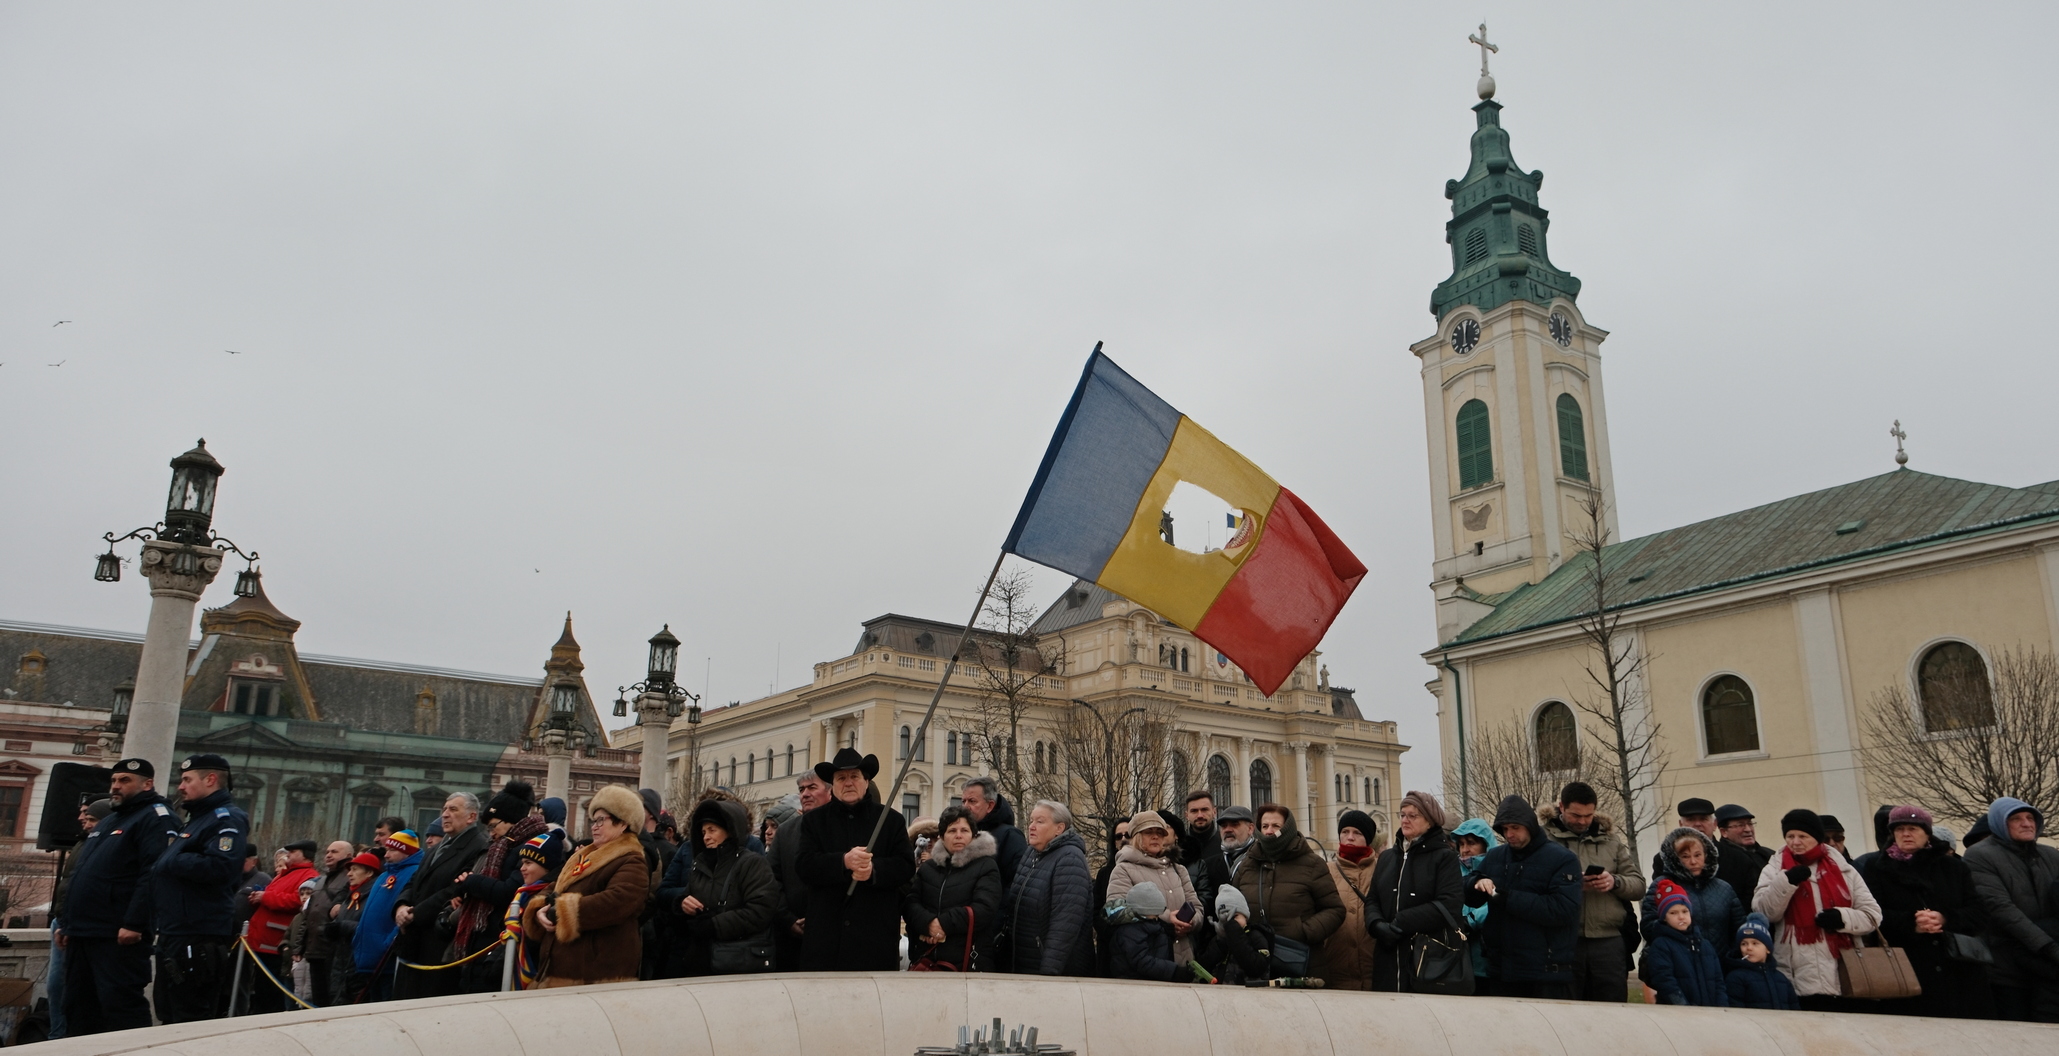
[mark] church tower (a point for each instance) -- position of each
(1512, 391)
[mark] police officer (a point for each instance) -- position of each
(107, 911)
(193, 886)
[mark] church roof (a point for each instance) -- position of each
(1893, 511)
(1498, 232)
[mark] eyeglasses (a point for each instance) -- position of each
(1120, 836)
(600, 819)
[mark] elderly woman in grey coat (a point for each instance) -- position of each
(1048, 911)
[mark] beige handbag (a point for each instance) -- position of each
(1876, 973)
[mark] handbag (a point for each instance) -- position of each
(752, 953)
(1968, 949)
(930, 963)
(1876, 973)
(1442, 963)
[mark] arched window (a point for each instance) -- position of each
(1261, 782)
(1373, 796)
(1558, 738)
(1040, 758)
(732, 769)
(904, 742)
(1475, 446)
(1572, 437)
(951, 749)
(1182, 772)
(1952, 681)
(789, 760)
(1218, 783)
(751, 769)
(1730, 717)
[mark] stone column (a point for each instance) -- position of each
(657, 742)
(153, 732)
(1303, 795)
(828, 741)
(1243, 775)
(1329, 798)
(557, 775)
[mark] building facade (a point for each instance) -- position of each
(1764, 636)
(1307, 746)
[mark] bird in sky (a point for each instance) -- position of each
(59, 363)
(59, 323)
(232, 351)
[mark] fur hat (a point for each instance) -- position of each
(1671, 894)
(1360, 820)
(1229, 902)
(1755, 927)
(512, 803)
(847, 759)
(622, 802)
(1145, 899)
(1912, 815)
(1800, 820)
(404, 841)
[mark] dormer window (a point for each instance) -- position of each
(253, 698)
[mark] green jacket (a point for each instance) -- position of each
(1601, 912)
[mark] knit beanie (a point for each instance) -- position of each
(1145, 899)
(1799, 820)
(1360, 820)
(653, 804)
(553, 811)
(786, 809)
(1912, 815)
(369, 860)
(404, 841)
(512, 803)
(1671, 894)
(1229, 902)
(547, 850)
(100, 808)
(1943, 833)
(1755, 927)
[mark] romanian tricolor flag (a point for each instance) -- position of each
(1264, 599)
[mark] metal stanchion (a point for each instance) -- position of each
(507, 968)
(236, 980)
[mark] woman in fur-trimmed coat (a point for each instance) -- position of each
(587, 929)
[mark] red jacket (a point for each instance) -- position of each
(276, 909)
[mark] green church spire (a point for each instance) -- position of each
(1497, 229)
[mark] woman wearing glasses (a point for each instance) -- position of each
(586, 924)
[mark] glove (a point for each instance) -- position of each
(1388, 933)
(1798, 875)
(1830, 920)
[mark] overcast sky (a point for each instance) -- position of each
(757, 320)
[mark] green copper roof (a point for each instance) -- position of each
(1893, 511)
(1497, 230)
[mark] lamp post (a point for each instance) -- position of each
(563, 734)
(659, 700)
(180, 557)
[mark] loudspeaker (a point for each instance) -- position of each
(72, 785)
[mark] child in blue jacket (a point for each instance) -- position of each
(1753, 980)
(1680, 964)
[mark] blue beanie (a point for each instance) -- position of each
(553, 811)
(1754, 927)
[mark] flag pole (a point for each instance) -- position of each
(922, 731)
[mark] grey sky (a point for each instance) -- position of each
(756, 321)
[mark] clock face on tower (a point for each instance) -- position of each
(1465, 336)
(1561, 329)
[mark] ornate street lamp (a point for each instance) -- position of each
(188, 520)
(664, 657)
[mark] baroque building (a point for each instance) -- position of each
(1307, 746)
(1764, 635)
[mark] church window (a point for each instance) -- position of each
(1476, 246)
(1261, 782)
(1526, 239)
(1475, 445)
(1730, 717)
(1572, 437)
(1952, 685)
(1558, 738)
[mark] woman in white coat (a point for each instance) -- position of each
(1817, 903)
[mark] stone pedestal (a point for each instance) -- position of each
(161, 677)
(557, 774)
(657, 741)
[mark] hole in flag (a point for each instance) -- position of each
(1197, 521)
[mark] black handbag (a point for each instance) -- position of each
(1441, 961)
(752, 953)
(1968, 949)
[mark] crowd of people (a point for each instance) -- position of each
(1539, 901)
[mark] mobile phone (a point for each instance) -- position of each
(1594, 870)
(1186, 914)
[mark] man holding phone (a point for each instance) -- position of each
(1610, 884)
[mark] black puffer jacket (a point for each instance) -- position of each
(1934, 879)
(1048, 909)
(1410, 880)
(949, 888)
(110, 891)
(1532, 931)
(733, 883)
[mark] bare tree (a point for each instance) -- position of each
(1501, 761)
(1006, 665)
(1633, 759)
(1973, 737)
(1117, 757)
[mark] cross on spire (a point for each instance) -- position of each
(1486, 86)
(1901, 456)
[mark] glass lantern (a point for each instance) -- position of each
(664, 656)
(109, 569)
(564, 700)
(124, 695)
(189, 508)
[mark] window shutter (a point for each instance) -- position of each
(1572, 437)
(1475, 445)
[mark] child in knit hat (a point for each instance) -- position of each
(541, 858)
(1752, 980)
(1681, 965)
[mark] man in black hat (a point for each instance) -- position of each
(107, 910)
(1739, 858)
(854, 883)
(1695, 813)
(193, 890)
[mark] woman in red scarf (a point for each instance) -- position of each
(1817, 902)
(1346, 960)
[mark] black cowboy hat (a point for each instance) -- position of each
(848, 759)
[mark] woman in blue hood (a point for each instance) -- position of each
(1473, 840)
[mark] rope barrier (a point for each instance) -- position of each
(244, 943)
(473, 956)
